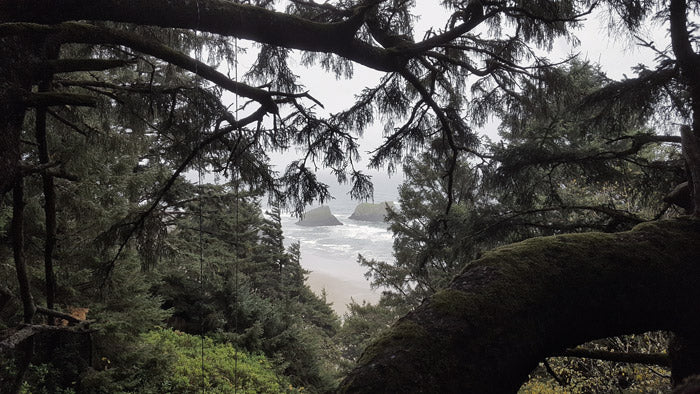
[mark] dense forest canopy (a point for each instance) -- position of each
(107, 103)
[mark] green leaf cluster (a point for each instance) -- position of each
(223, 369)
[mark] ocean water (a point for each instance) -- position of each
(330, 252)
(340, 245)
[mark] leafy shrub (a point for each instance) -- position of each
(219, 372)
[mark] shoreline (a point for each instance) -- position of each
(343, 281)
(340, 292)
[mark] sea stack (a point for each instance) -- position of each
(371, 212)
(320, 216)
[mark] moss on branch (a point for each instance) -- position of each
(523, 302)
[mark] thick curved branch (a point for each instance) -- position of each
(30, 330)
(214, 16)
(523, 302)
(239, 20)
(75, 65)
(45, 99)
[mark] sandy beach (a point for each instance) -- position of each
(342, 279)
(340, 292)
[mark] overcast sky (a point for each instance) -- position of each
(616, 53)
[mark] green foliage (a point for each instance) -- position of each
(253, 291)
(132, 232)
(39, 375)
(362, 324)
(566, 163)
(224, 369)
(580, 375)
(563, 165)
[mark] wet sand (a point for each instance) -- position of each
(340, 292)
(343, 280)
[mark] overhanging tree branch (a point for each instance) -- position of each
(90, 34)
(75, 65)
(219, 17)
(30, 330)
(141, 218)
(242, 21)
(46, 99)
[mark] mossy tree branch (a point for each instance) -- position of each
(523, 302)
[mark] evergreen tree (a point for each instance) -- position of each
(559, 167)
(117, 68)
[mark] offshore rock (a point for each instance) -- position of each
(320, 216)
(371, 212)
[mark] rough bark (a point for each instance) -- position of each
(523, 302)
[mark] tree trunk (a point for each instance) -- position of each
(520, 303)
(47, 182)
(15, 79)
(684, 351)
(689, 64)
(17, 231)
